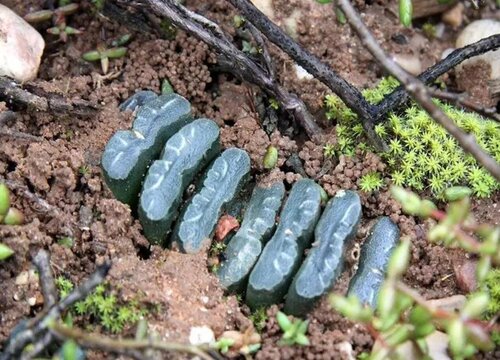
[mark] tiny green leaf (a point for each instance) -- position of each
(93, 55)
(283, 321)
(4, 199)
(13, 217)
(405, 12)
(5, 252)
(455, 193)
(271, 157)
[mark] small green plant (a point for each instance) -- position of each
(103, 53)
(402, 315)
(491, 285)
(329, 150)
(5, 252)
(422, 155)
(270, 158)
(293, 332)
(84, 170)
(405, 12)
(8, 214)
(371, 182)
(259, 318)
(429, 30)
(223, 344)
(58, 17)
(103, 307)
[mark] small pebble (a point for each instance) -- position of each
(21, 47)
(454, 16)
(465, 274)
(200, 335)
(474, 32)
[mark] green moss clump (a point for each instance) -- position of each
(422, 155)
(492, 286)
(103, 306)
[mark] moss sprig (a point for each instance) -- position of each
(422, 155)
(104, 307)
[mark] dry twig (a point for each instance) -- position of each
(418, 91)
(461, 100)
(12, 92)
(240, 64)
(123, 346)
(36, 330)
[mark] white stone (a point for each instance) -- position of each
(200, 335)
(476, 31)
(302, 73)
(21, 46)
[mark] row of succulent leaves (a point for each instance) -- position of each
(422, 155)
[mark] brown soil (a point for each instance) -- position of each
(63, 169)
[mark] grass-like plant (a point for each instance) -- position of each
(422, 155)
(103, 307)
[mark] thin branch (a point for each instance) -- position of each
(12, 92)
(121, 346)
(399, 96)
(419, 92)
(242, 66)
(6, 116)
(42, 263)
(36, 329)
(461, 100)
(324, 73)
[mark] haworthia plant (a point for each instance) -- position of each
(128, 154)
(224, 179)
(137, 100)
(324, 263)
(281, 257)
(246, 245)
(184, 155)
(373, 260)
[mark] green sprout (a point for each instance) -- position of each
(429, 30)
(270, 158)
(103, 55)
(5, 252)
(259, 318)
(402, 315)
(223, 344)
(58, 17)
(329, 150)
(103, 306)
(405, 12)
(293, 332)
(422, 155)
(371, 182)
(8, 214)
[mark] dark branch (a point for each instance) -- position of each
(242, 66)
(418, 92)
(324, 73)
(42, 263)
(12, 92)
(461, 100)
(399, 96)
(36, 330)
